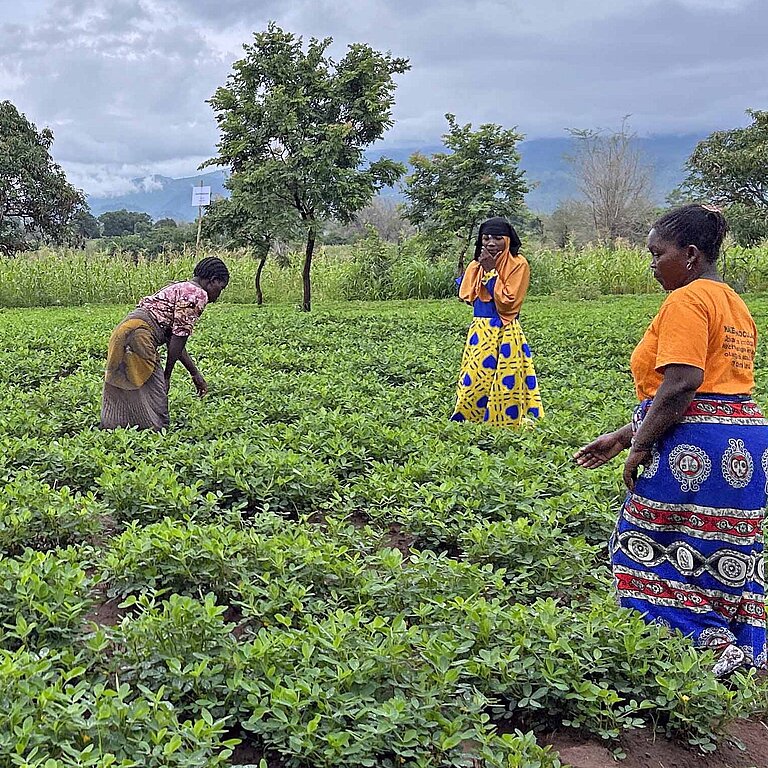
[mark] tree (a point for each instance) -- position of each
(449, 194)
(250, 219)
(569, 224)
(730, 168)
(165, 224)
(123, 222)
(37, 203)
(382, 213)
(613, 180)
(295, 124)
(85, 226)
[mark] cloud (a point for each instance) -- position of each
(124, 83)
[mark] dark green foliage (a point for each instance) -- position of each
(450, 193)
(294, 127)
(37, 203)
(123, 222)
(728, 168)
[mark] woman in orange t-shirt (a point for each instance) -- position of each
(497, 381)
(687, 550)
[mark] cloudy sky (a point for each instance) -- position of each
(123, 83)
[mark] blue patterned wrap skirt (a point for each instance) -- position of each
(687, 551)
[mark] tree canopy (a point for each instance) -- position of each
(124, 222)
(37, 203)
(449, 194)
(730, 168)
(294, 125)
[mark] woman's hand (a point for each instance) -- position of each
(486, 261)
(201, 385)
(601, 450)
(635, 460)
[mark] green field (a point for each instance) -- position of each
(314, 561)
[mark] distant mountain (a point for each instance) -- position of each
(542, 159)
(162, 197)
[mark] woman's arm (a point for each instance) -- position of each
(201, 385)
(177, 352)
(669, 404)
(604, 448)
(176, 346)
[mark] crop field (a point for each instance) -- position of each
(314, 567)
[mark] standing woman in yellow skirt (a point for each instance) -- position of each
(497, 382)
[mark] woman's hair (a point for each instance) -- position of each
(212, 268)
(701, 225)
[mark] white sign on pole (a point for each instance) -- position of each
(201, 196)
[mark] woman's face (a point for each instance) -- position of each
(494, 244)
(214, 288)
(668, 262)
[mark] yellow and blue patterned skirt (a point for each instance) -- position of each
(497, 382)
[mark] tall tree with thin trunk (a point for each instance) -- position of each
(614, 180)
(295, 124)
(251, 218)
(449, 193)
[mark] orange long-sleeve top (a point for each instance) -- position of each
(513, 276)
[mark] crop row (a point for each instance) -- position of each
(314, 561)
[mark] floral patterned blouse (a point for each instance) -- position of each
(176, 307)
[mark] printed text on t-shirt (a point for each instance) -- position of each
(738, 347)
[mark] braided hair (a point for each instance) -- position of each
(212, 268)
(701, 225)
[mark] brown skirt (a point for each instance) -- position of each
(134, 384)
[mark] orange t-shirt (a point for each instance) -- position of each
(704, 324)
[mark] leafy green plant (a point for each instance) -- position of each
(32, 514)
(181, 648)
(43, 600)
(51, 712)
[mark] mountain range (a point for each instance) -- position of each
(544, 161)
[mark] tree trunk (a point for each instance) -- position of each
(462, 254)
(257, 281)
(306, 304)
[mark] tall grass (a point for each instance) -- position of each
(591, 272)
(63, 277)
(369, 270)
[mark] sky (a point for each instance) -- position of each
(123, 83)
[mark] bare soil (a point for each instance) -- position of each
(645, 749)
(106, 612)
(397, 538)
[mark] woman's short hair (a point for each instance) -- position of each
(701, 225)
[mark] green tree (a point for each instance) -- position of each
(37, 203)
(730, 168)
(251, 218)
(295, 124)
(165, 224)
(123, 222)
(449, 194)
(85, 225)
